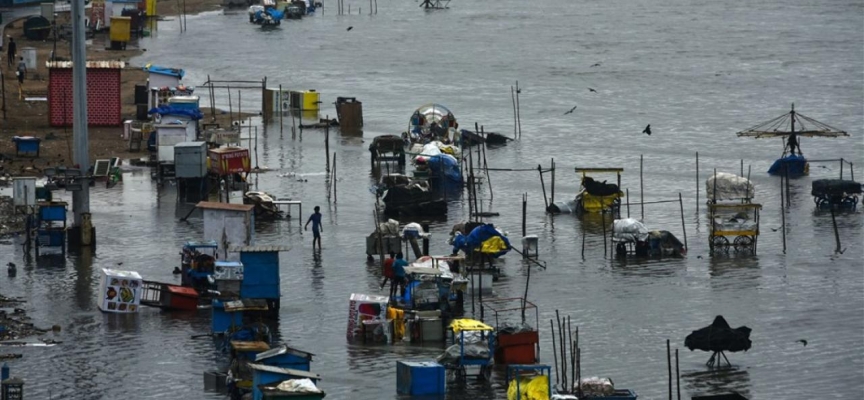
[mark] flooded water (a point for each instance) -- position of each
(697, 71)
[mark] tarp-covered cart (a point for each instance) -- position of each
(836, 193)
(632, 237)
(738, 221)
(386, 148)
(595, 196)
(473, 346)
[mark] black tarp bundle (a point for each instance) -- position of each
(595, 188)
(719, 336)
(835, 187)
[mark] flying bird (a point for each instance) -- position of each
(647, 130)
(592, 90)
(571, 110)
(350, 28)
(595, 65)
(802, 341)
(119, 263)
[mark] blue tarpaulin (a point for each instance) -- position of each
(164, 70)
(797, 166)
(445, 165)
(169, 110)
(477, 237)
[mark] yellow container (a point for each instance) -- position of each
(311, 100)
(151, 8)
(121, 28)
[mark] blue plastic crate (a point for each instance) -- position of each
(419, 378)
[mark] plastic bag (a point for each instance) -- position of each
(534, 388)
(298, 386)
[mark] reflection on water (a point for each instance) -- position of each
(721, 380)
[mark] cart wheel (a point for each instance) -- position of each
(742, 243)
(720, 243)
(485, 373)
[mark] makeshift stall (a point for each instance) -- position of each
(473, 347)
(367, 315)
(836, 193)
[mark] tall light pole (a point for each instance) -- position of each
(80, 198)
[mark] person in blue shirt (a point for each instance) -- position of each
(399, 273)
(315, 219)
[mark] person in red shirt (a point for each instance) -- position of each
(388, 270)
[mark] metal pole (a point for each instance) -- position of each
(334, 178)
(841, 169)
(697, 182)
(782, 214)
(327, 143)
(281, 112)
(81, 198)
(628, 201)
(603, 218)
(677, 375)
(518, 111)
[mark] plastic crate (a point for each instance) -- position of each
(419, 378)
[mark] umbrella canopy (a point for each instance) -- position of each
(719, 336)
(792, 123)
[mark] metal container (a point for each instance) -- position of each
(29, 54)
(121, 29)
(24, 191)
(190, 159)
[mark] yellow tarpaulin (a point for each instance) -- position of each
(398, 318)
(591, 203)
(493, 245)
(466, 324)
(536, 388)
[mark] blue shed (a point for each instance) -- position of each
(285, 357)
(264, 374)
(261, 272)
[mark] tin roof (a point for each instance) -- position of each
(243, 345)
(90, 64)
(212, 205)
(284, 371)
(283, 349)
(258, 249)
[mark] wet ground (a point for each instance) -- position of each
(697, 72)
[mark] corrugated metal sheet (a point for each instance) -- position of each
(285, 371)
(90, 64)
(258, 249)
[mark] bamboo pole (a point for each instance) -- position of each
(553, 182)
(281, 112)
(486, 167)
(543, 185)
(334, 180)
(603, 218)
(836, 232)
(677, 375)
(782, 214)
(627, 194)
(230, 109)
(555, 352)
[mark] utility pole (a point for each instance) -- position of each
(80, 198)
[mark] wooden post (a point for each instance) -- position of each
(603, 218)
(683, 228)
(3, 88)
(239, 108)
(334, 180)
(543, 185)
(212, 91)
(841, 168)
(697, 183)
(782, 213)
(627, 194)
(742, 168)
(677, 375)
(553, 182)
(281, 113)
(513, 99)
(583, 238)
(230, 109)
(327, 143)
(669, 364)
(486, 167)
(641, 189)
(524, 213)
(554, 352)
(836, 232)
(786, 172)
(518, 111)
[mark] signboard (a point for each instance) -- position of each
(119, 291)
(364, 307)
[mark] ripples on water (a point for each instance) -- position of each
(697, 71)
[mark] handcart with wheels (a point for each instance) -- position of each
(476, 347)
(739, 221)
(836, 193)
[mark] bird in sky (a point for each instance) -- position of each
(350, 28)
(592, 90)
(571, 110)
(595, 65)
(802, 341)
(647, 130)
